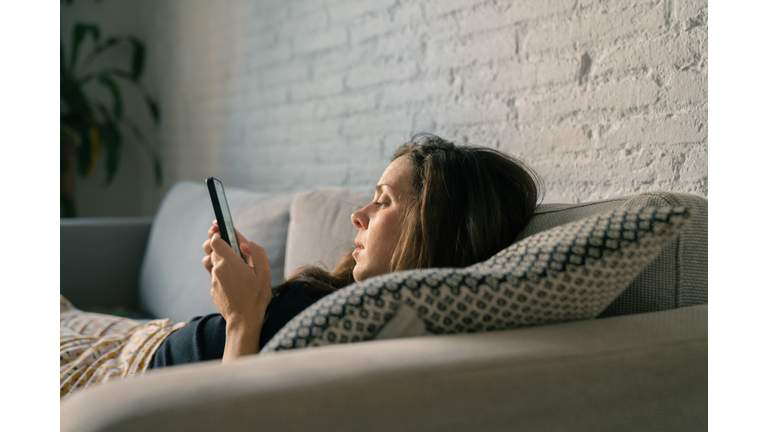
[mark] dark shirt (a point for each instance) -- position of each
(203, 337)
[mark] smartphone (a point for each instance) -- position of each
(221, 209)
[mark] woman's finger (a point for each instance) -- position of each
(207, 247)
(221, 248)
(245, 252)
(207, 263)
(258, 256)
(215, 259)
(213, 230)
(246, 249)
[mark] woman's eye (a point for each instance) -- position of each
(379, 203)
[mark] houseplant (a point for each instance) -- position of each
(89, 125)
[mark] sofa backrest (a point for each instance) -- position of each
(320, 230)
(173, 282)
(676, 278)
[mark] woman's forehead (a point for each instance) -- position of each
(397, 175)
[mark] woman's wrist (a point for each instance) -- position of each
(242, 337)
(239, 328)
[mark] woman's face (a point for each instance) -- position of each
(380, 221)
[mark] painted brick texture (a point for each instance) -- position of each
(602, 98)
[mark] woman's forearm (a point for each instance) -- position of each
(242, 339)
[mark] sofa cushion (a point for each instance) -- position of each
(321, 227)
(570, 272)
(676, 278)
(173, 282)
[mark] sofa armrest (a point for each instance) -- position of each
(638, 372)
(101, 259)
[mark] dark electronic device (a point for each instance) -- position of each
(221, 209)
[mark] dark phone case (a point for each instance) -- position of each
(217, 208)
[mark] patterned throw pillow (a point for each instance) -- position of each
(570, 272)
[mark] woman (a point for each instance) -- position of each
(436, 205)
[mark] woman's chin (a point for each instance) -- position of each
(361, 273)
(356, 273)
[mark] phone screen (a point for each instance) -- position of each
(227, 222)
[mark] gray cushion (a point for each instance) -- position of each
(570, 272)
(676, 278)
(173, 282)
(321, 227)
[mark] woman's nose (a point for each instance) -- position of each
(360, 219)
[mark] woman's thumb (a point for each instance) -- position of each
(220, 246)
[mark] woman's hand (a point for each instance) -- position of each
(241, 240)
(207, 263)
(240, 291)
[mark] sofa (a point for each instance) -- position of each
(639, 364)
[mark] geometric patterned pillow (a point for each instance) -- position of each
(570, 272)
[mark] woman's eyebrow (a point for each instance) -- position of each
(381, 186)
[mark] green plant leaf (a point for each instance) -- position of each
(85, 150)
(73, 97)
(77, 125)
(68, 133)
(78, 36)
(112, 72)
(96, 126)
(117, 99)
(69, 136)
(109, 43)
(137, 60)
(111, 139)
(154, 109)
(118, 73)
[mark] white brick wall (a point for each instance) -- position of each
(603, 98)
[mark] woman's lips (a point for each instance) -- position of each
(358, 250)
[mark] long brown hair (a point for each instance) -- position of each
(471, 202)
